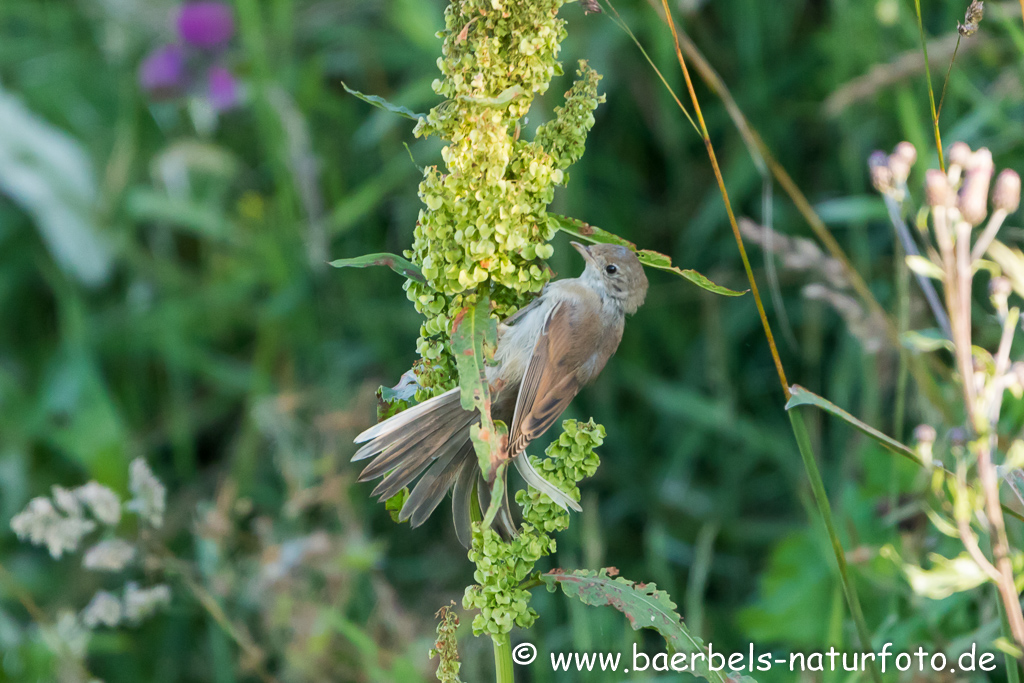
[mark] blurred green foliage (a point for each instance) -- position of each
(164, 294)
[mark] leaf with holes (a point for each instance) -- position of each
(645, 606)
(652, 259)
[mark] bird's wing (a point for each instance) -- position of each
(550, 381)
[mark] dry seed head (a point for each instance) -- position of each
(1006, 196)
(973, 16)
(881, 174)
(936, 188)
(973, 198)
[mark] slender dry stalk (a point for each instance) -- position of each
(796, 418)
(728, 205)
(945, 83)
(761, 153)
(254, 655)
(881, 77)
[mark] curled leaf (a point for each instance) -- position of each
(802, 397)
(396, 263)
(381, 103)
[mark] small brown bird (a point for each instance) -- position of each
(546, 352)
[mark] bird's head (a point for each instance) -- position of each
(616, 273)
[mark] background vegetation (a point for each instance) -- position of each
(164, 295)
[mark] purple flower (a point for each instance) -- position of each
(163, 71)
(221, 88)
(206, 24)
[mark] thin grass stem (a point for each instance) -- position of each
(931, 91)
(803, 441)
(728, 205)
(796, 419)
(945, 83)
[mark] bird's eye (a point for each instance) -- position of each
(611, 269)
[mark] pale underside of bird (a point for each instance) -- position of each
(546, 352)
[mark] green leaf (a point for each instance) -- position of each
(395, 263)
(925, 341)
(395, 503)
(497, 489)
(803, 397)
(381, 103)
(923, 266)
(474, 337)
(643, 604)
(652, 259)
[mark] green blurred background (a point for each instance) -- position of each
(164, 294)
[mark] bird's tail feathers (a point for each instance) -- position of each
(433, 439)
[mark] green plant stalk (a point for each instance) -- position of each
(502, 644)
(799, 428)
(931, 92)
(902, 324)
(503, 659)
(803, 441)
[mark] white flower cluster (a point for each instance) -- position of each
(140, 603)
(60, 522)
(109, 556)
(150, 499)
(106, 609)
(60, 528)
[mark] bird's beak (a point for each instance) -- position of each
(584, 251)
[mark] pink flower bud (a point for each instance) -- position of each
(1006, 196)
(936, 188)
(973, 198)
(959, 154)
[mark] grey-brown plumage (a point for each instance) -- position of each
(545, 353)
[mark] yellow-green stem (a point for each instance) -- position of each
(931, 92)
(796, 419)
(803, 441)
(728, 205)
